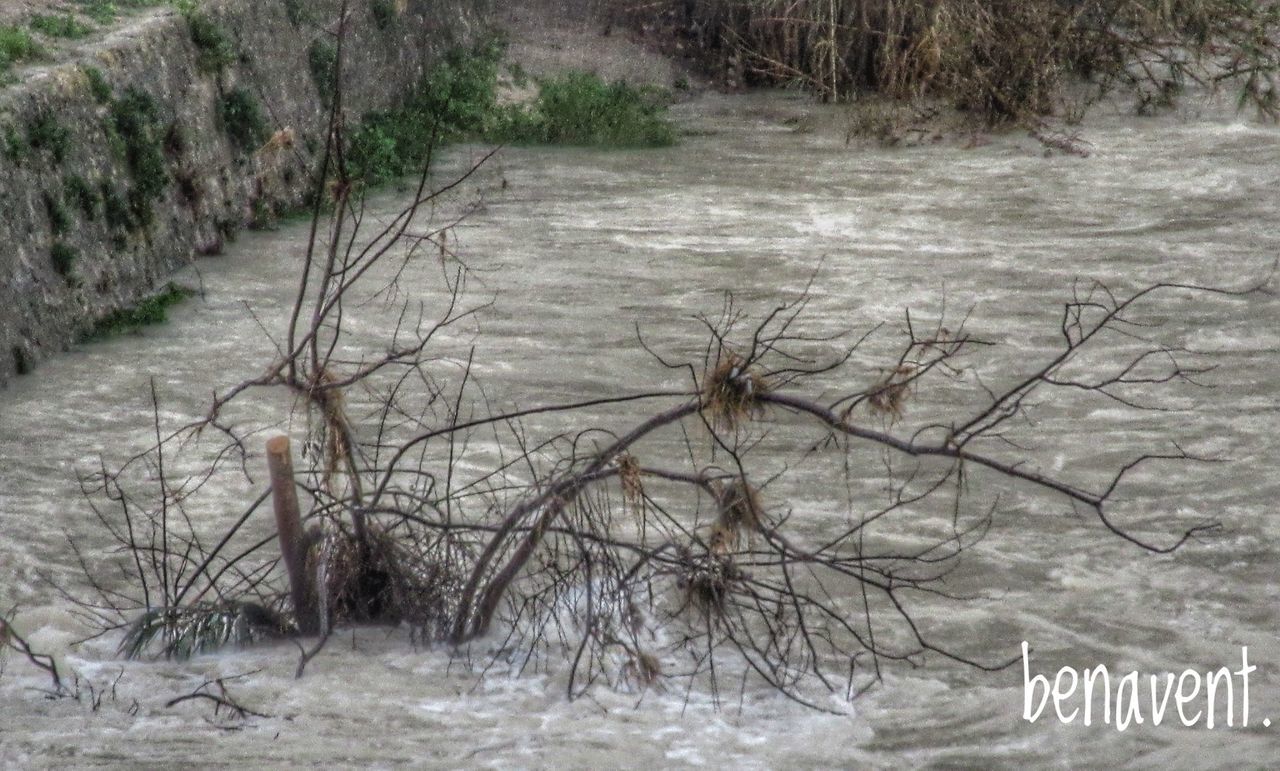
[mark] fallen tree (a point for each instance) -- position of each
(651, 554)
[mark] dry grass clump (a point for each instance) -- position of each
(740, 513)
(731, 393)
(329, 430)
(632, 484)
(707, 579)
(889, 396)
(707, 582)
(642, 669)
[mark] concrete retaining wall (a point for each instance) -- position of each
(88, 225)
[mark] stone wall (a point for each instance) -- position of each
(132, 158)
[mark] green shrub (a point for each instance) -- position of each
(296, 10)
(114, 140)
(101, 11)
(152, 310)
(374, 155)
(459, 94)
(135, 119)
(107, 11)
(63, 257)
(98, 85)
(14, 148)
(214, 48)
(242, 119)
(519, 76)
(59, 222)
(384, 13)
(580, 109)
(46, 133)
(78, 193)
(65, 26)
(175, 140)
(114, 209)
(16, 45)
(456, 100)
(323, 58)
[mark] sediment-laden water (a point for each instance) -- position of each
(576, 249)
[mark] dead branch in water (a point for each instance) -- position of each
(661, 544)
(215, 691)
(11, 639)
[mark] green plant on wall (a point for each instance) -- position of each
(384, 13)
(98, 86)
(78, 193)
(114, 210)
(135, 119)
(100, 11)
(296, 10)
(152, 310)
(16, 45)
(322, 55)
(22, 363)
(59, 221)
(46, 133)
(63, 258)
(15, 149)
(214, 49)
(242, 119)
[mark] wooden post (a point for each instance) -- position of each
(284, 495)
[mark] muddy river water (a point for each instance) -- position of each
(575, 249)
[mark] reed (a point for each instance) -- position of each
(1004, 60)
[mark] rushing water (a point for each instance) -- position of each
(576, 249)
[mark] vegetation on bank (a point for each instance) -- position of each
(60, 25)
(242, 119)
(19, 45)
(16, 45)
(1001, 60)
(216, 50)
(150, 311)
(578, 108)
(458, 101)
(135, 125)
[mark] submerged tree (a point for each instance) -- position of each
(652, 554)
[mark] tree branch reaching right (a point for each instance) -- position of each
(666, 553)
